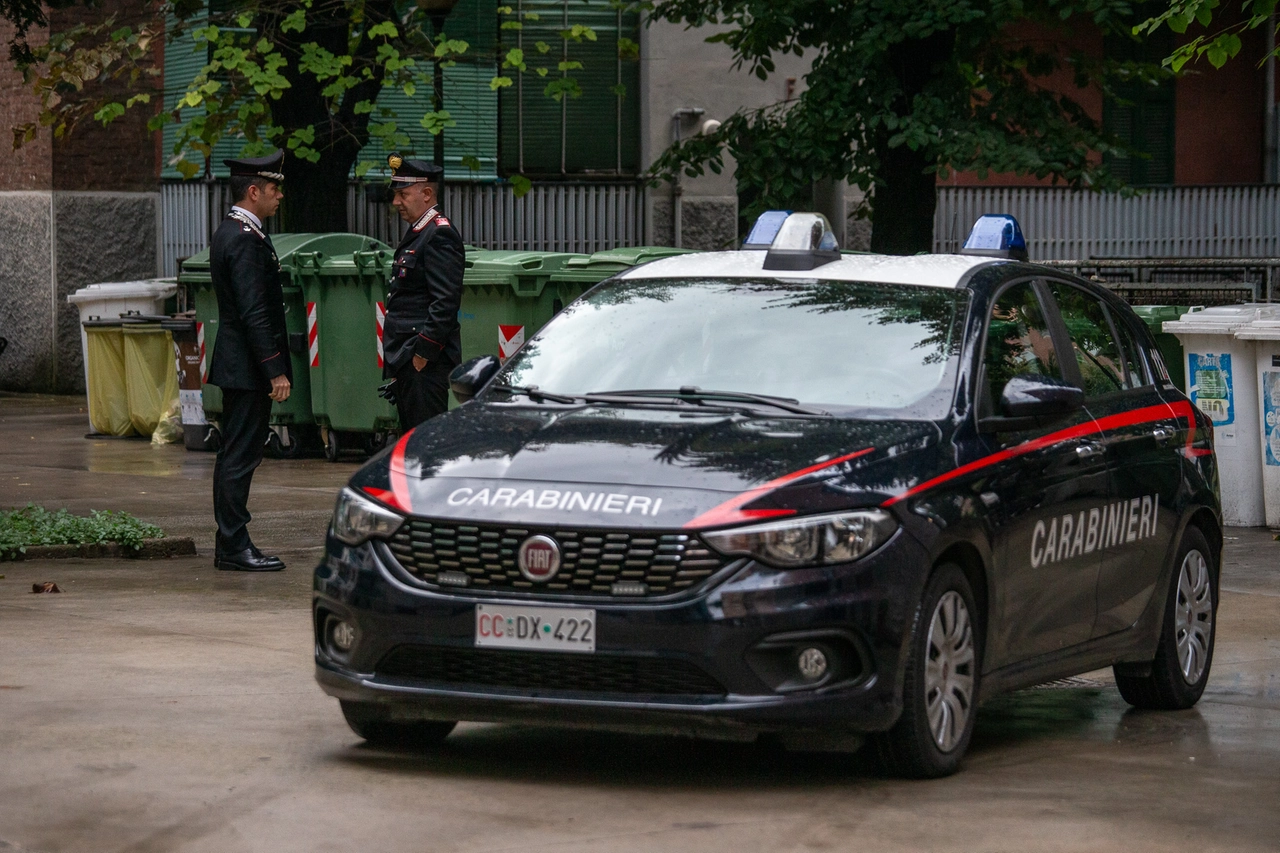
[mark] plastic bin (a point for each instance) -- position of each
(1265, 333)
(1155, 316)
(507, 296)
(345, 297)
(196, 432)
(294, 430)
(1219, 367)
(107, 390)
(107, 301)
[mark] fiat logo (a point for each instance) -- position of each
(539, 558)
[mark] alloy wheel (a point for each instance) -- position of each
(949, 673)
(1193, 616)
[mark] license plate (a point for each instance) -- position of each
(547, 629)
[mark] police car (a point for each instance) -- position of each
(786, 490)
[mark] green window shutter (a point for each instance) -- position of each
(1142, 116)
(596, 133)
(182, 62)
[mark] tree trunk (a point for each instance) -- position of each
(315, 195)
(904, 201)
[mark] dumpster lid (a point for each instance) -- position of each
(156, 288)
(178, 324)
(102, 323)
(627, 256)
(1153, 314)
(1263, 328)
(1221, 319)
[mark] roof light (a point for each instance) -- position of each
(804, 241)
(765, 229)
(996, 235)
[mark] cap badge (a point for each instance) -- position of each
(395, 161)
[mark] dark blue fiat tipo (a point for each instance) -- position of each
(785, 490)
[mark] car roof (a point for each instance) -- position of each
(947, 271)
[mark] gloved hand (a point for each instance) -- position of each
(387, 391)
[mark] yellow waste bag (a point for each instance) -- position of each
(108, 394)
(151, 375)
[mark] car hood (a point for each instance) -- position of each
(640, 466)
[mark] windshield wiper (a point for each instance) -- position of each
(534, 393)
(694, 394)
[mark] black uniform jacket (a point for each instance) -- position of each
(252, 346)
(424, 296)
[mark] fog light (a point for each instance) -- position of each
(343, 637)
(812, 663)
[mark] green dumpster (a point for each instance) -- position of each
(108, 392)
(596, 268)
(346, 298)
(1170, 348)
(507, 296)
(294, 430)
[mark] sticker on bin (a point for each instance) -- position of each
(313, 335)
(379, 317)
(192, 407)
(510, 339)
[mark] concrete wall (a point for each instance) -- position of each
(52, 244)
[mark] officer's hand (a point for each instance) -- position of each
(419, 363)
(280, 389)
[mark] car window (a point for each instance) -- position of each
(1134, 360)
(1096, 350)
(837, 343)
(1018, 340)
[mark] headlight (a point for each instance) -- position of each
(356, 519)
(808, 541)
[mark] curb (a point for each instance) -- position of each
(152, 549)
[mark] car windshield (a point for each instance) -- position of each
(833, 344)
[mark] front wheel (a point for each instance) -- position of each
(940, 690)
(373, 723)
(1180, 669)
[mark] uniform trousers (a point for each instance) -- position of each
(245, 423)
(421, 394)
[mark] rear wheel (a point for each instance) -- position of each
(373, 723)
(1184, 654)
(331, 446)
(940, 690)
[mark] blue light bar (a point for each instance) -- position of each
(996, 235)
(766, 228)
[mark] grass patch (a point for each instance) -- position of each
(35, 525)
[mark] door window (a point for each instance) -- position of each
(1018, 342)
(1134, 362)
(1096, 351)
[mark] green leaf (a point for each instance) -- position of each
(437, 121)
(472, 163)
(499, 83)
(187, 169)
(409, 88)
(140, 98)
(295, 21)
(569, 65)
(628, 49)
(511, 25)
(386, 28)
(109, 113)
(363, 167)
(520, 185)
(542, 47)
(244, 20)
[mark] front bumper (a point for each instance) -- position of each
(731, 636)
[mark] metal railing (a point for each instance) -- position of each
(1187, 222)
(561, 217)
(1182, 281)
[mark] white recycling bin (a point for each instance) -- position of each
(1219, 367)
(1265, 333)
(107, 301)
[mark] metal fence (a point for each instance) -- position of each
(562, 217)
(1059, 224)
(1182, 281)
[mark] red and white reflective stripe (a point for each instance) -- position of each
(379, 316)
(204, 367)
(313, 335)
(510, 339)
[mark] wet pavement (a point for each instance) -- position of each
(165, 706)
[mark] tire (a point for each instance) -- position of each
(940, 688)
(1184, 652)
(373, 723)
(331, 446)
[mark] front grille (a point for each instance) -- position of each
(591, 563)
(587, 673)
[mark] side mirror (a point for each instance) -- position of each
(1027, 400)
(468, 378)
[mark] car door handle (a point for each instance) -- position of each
(1163, 434)
(1089, 450)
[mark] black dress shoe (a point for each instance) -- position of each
(247, 561)
(266, 557)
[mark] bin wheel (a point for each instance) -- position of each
(275, 449)
(331, 446)
(377, 441)
(301, 440)
(213, 438)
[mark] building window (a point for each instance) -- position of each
(1142, 115)
(596, 133)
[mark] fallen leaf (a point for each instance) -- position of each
(47, 586)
